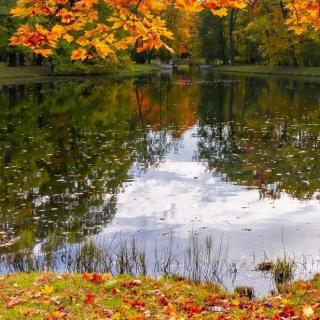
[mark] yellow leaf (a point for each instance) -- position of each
(58, 30)
(19, 12)
(235, 302)
(220, 12)
(43, 52)
(79, 54)
(68, 37)
(307, 311)
(82, 41)
(47, 290)
(106, 276)
(15, 41)
(103, 49)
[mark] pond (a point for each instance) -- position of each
(190, 167)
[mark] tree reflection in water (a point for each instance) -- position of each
(68, 148)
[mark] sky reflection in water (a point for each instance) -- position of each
(182, 196)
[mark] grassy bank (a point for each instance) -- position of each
(27, 72)
(13, 75)
(94, 296)
(255, 69)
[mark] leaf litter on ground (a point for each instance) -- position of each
(52, 296)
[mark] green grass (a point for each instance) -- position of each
(14, 75)
(257, 69)
(27, 72)
(145, 68)
(91, 296)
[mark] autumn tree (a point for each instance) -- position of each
(52, 21)
(262, 35)
(303, 14)
(267, 28)
(130, 22)
(8, 25)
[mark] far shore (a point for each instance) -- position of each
(27, 74)
(270, 70)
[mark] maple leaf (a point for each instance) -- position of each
(131, 284)
(138, 304)
(43, 52)
(47, 290)
(192, 308)
(96, 278)
(13, 301)
(116, 316)
(307, 311)
(287, 312)
(90, 298)
(163, 300)
(220, 12)
(138, 316)
(106, 276)
(86, 276)
(79, 54)
(55, 315)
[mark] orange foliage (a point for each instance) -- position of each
(77, 22)
(304, 14)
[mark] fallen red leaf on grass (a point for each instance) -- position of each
(86, 276)
(90, 298)
(96, 278)
(115, 291)
(287, 312)
(138, 304)
(211, 300)
(192, 308)
(13, 301)
(131, 284)
(163, 301)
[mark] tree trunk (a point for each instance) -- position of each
(232, 22)
(21, 59)
(150, 56)
(283, 9)
(12, 59)
(223, 43)
(38, 59)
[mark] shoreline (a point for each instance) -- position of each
(268, 70)
(27, 74)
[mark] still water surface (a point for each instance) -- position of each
(162, 156)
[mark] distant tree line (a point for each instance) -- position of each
(257, 35)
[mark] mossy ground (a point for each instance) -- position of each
(93, 296)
